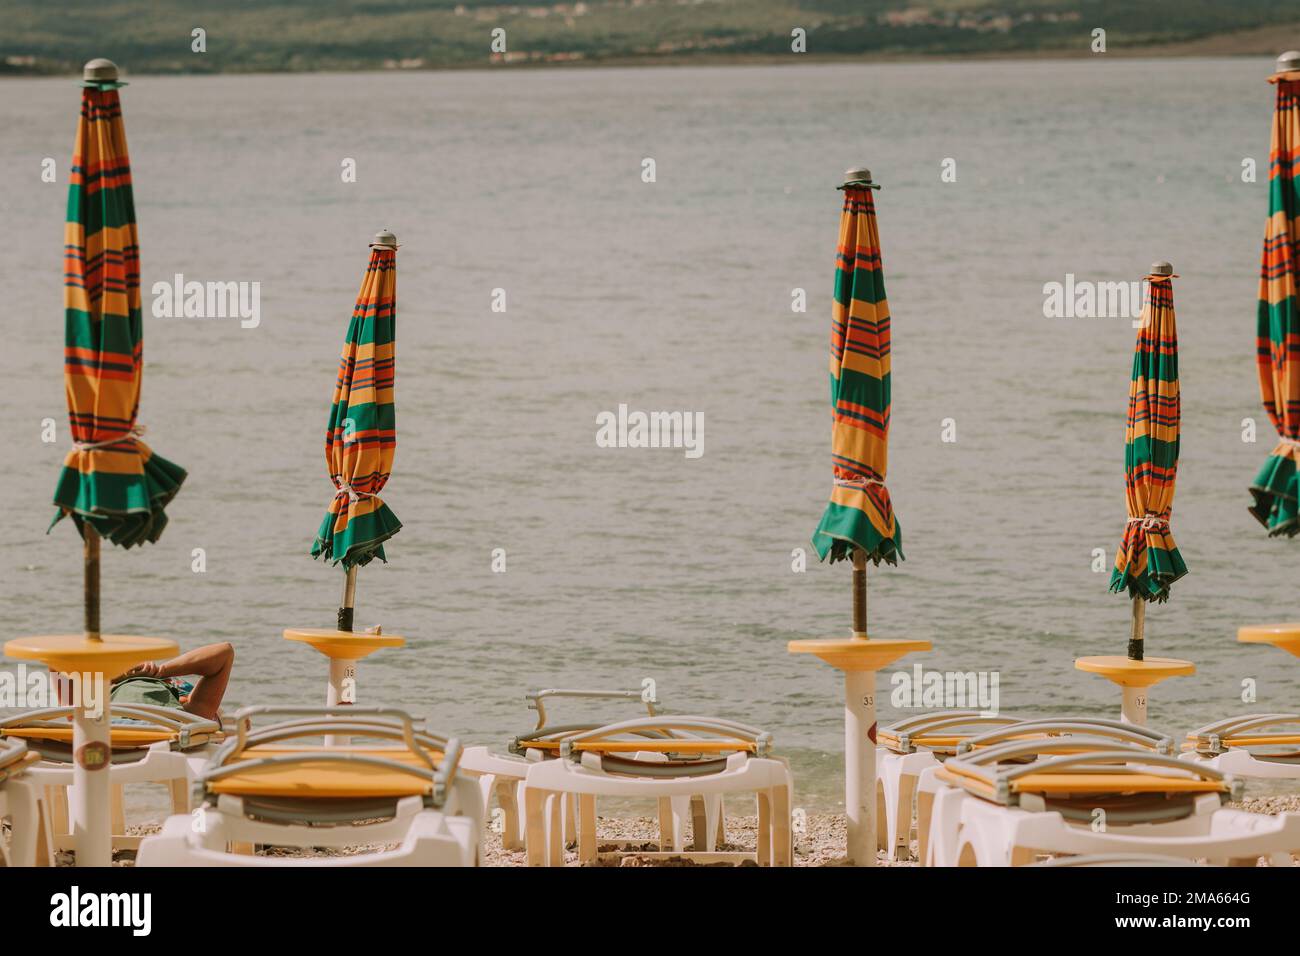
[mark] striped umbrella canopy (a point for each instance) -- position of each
(361, 437)
(1148, 561)
(1275, 488)
(111, 481)
(859, 516)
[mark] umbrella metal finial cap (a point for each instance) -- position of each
(384, 240)
(859, 174)
(1162, 269)
(100, 70)
(1289, 62)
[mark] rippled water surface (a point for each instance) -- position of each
(676, 295)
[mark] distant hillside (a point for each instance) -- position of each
(154, 36)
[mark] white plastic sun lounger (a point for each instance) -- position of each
(665, 759)
(267, 786)
(705, 811)
(1095, 797)
(502, 775)
(150, 744)
(912, 748)
(1249, 746)
(929, 785)
(904, 750)
(22, 804)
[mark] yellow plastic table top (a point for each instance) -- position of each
(342, 645)
(1285, 636)
(112, 655)
(1130, 673)
(856, 653)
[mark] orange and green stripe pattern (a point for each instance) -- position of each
(1275, 489)
(1148, 561)
(111, 480)
(859, 515)
(361, 437)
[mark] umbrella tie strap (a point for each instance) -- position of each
(1293, 442)
(353, 495)
(135, 431)
(861, 481)
(1149, 522)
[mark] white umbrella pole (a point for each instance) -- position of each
(88, 801)
(860, 765)
(342, 674)
(859, 728)
(1134, 708)
(342, 685)
(92, 827)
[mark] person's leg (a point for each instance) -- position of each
(212, 665)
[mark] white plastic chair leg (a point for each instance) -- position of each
(945, 827)
(509, 795)
(557, 803)
(29, 840)
(713, 819)
(681, 809)
(569, 812)
(900, 820)
(782, 838)
(587, 843)
(535, 814)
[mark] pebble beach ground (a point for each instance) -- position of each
(820, 841)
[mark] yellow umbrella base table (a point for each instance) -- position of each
(344, 649)
(111, 655)
(1285, 636)
(859, 658)
(92, 663)
(1134, 677)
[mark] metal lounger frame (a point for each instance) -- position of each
(988, 765)
(909, 729)
(1074, 727)
(556, 734)
(384, 722)
(181, 723)
(537, 698)
(688, 727)
(1216, 738)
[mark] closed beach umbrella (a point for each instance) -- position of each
(1276, 488)
(111, 484)
(1148, 561)
(361, 437)
(859, 521)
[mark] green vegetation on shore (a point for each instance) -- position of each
(154, 36)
